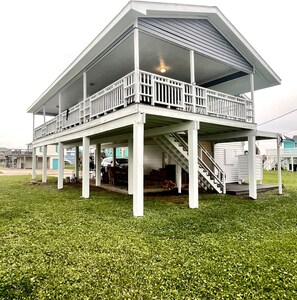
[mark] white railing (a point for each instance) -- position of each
(160, 90)
(270, 164)
(226, 106)
(51, 126)
(37, 132)
(70, 117)
(284, 152)
(215, 172)
(153, 90)
(108, 99)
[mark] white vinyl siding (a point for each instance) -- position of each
(226, 155)
(243, 167)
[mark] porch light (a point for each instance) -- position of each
(163, 70)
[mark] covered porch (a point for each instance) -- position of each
(144, 66)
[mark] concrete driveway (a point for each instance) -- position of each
(13, 172)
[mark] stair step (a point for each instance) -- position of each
(179, 153)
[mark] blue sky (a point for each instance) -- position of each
(42, 38)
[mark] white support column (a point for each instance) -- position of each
(193, 165)
(59, 123)
(60, 165)
(138, 151)
(60, 102)
(252, 88)
(86, 168)
(252, 167)
(85, 94)
(98, 164)
(44, 163)
(77, 163)
(136, 62)
(292, 164)
(192, 67)
(43, 108)
(33, 126)
(85, 86)
(279, 169)
(34, 163)
(114, 157)
(192, 78)
(178, 178)
(130, 166)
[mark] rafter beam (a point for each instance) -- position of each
(171, 128)
(227, 136)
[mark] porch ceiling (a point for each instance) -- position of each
(154, 54)
(226, 134)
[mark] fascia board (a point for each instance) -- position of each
(265, 135)
(225, 27)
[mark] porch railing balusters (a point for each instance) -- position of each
(152, 89)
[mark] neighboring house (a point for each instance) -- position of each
(51, 154)
(22, 158)
(168, 82)
(288, 155)
(18, 158)
(119, 152)
(2, 156)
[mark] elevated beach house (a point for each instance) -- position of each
(288, 155)
(160, 79)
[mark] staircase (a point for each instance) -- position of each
(176, 146)
(270, 164)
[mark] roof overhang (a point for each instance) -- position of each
(238, 135)
(264, 75)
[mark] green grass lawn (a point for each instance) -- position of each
(56, 245)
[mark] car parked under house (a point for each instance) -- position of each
(160, 79)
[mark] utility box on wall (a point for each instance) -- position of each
(243, 168)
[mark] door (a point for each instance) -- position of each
(55, 163)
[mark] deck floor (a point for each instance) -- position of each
(231, 188)
(243, 189)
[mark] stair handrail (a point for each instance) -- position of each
(180, 140)
(220, 179)
(221, 174)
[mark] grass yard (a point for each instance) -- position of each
(56, 245)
